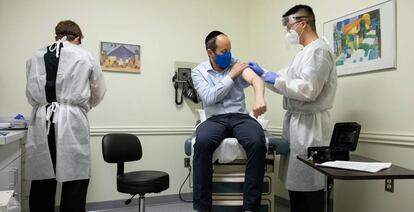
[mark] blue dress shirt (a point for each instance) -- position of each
(220, 94)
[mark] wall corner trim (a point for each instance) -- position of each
(385, 138)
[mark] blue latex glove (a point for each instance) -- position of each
(270, 77)
(256, 68)
(19, 117)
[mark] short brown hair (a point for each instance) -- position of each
(68, 28)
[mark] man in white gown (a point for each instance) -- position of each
(308, 85)
(63, 83)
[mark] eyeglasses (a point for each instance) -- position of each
(289, 25)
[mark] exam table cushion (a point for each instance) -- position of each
(274, 144)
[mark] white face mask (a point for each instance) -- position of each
(293, 37)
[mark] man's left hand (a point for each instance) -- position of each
(256, 68)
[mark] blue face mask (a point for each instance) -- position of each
(223, 60)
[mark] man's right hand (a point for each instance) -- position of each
(237, 69)
(270, 77)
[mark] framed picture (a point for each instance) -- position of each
(120, 57)
(364, 40)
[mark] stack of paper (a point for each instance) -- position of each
(358, 166)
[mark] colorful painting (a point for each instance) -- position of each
(358, 39)
(120, 57)
(364, 40)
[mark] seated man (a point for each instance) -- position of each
(220, 82)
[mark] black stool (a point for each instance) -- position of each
(120, 148)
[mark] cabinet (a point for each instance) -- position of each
(10, 161)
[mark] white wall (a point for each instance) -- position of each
(143, 104)
(171, 31)
(167, 31)
(381, 101)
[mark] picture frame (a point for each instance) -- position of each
(120, 57)
(364, 40)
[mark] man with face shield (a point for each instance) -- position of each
(63, 83)
(220, 82)
(308, 85)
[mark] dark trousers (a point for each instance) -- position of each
(73, 199)
(210, 133)
(42, 192)
(307, 201)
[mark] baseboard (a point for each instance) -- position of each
(282, 201)
(151, 201)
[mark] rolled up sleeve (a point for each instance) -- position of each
(209, 93)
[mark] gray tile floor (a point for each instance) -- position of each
(178, 207)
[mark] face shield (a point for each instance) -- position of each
(295, 18)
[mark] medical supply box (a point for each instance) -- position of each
(13, 123)
(344, 139)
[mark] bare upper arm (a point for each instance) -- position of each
(248, 75)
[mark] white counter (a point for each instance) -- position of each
(4, 199)
(12, 136)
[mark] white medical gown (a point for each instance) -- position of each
(79, 87)
(308, 85)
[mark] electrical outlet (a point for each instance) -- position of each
(186, 162)
(389, 185)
